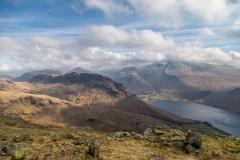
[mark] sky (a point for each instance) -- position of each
(107, 35)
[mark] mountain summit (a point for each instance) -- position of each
(29, 75)
(80, 70)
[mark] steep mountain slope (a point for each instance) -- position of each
(199, 82)
(133, 78)
(80, 70)
(29, 75)
(81, 100)
(227, 100)
(204, 76)
(148, 79)
(181, 76)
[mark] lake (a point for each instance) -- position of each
(226, 121)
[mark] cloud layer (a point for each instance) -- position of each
(147, 46)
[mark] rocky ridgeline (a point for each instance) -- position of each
(84, 145)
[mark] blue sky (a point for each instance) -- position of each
(103, 35)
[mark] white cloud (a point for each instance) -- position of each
(150, 47)
(8, 20)
(45, 41)
(141, 39)
(7, 43)
(166, 14)
(236, 26)
(76, 7)
(172, 13)
(234, 55)
(4, 68)
(109, 7)
(209, 11)
(235, 30)
(207, 32)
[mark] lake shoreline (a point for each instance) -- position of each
(219, 119)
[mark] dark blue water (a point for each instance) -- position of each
(226, 121)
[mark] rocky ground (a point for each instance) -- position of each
(22, 140)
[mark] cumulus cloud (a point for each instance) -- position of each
(207, 32)
(209, 11)
(141, 39)
(234, 55)
(40, 52)
(4, 68)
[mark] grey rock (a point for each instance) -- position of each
(156, 157)
(178, 144)
(194, 139)
(93, 148)
(74, 158)
(3, 137)
(10, 123)
(126, 134)
(175, 134)
(72, 135)
(148, 132)
(80, 141)
(158, 132)
(138, 136)
(20, 138)
(189, 149)
(215, 153)
(118, 135)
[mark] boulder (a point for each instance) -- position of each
(93, 148)
(178, 144)
(118, 135)
(72, 135)
(126, 134)
(176, 134)
(194, 139)
(148, 132)
(156, 157)
(80, 141)
(215, 153)
(20, 138)
(10, 122)
(7, 148)
(158, 132)
(137, 136)
(189, 149)
(3, 138)
(74, 158)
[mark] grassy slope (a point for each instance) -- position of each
(49, 143)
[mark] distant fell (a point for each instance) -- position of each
(29, 75)
(80, 70)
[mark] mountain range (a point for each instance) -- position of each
(29, 75)
(198, 82)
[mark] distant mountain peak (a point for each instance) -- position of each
(29, 75)
(80, 70)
